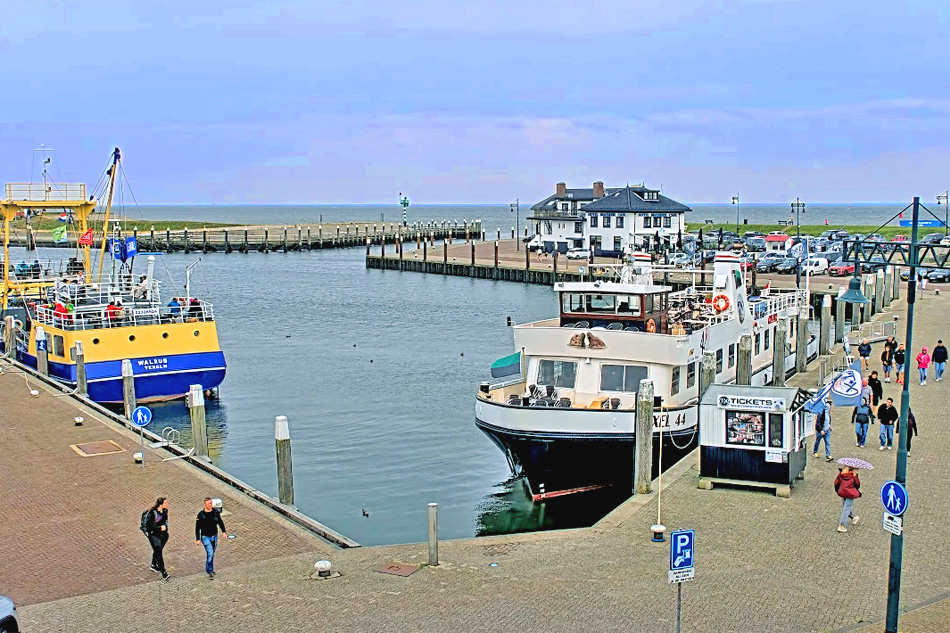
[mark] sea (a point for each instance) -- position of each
(377, 371)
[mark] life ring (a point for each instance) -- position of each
(651, 325)
(720, 303)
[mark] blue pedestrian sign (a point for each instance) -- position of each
(894, 498)
(141, 416)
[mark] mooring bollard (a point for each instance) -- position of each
(199, 427)
(81, 386)
(128, 389)
(285, 469)
(744, 368)
(42, 353)
(707, 373)
(778, 352)
(801, 340)
(9, 337)
(643, 458)
(433, 534)
(839, 317)
(824, 323)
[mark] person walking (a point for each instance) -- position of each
(155, 527)
(911, 428)
(864, 351)
(848, 487)
(877, 389)
(887, 361)
(861, 418)
(887, 415)
(899, 357)
(939, 358)
(923, 362)
(823, 431)
(206, 533)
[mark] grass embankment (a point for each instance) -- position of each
(50, 222)
(815, 229)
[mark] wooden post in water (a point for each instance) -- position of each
(42, 352)
(839, 317)
(128, 389)
(285, 467)
(367, 247)
(824, 324)
(151, 239)
(309, 244)
(227, 242)
(168, 240)
(555, 264)
(418, 240)
(299, 239)
(473, 255)
(81, 386)
(527, 261)
(266, 240)
(382, 243)
(187, 246)
(445, 252)
(496, 253)
(199, 427)
(9, 337)
(643, 436)
(879, 291)
(778, 352)
(801, 340)
(204, 240)
(707, 373)
(399, 248)
(744, 368)
(425, 250)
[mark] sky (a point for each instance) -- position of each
(356, 101)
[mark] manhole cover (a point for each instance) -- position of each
(92, 449)
(398, 569)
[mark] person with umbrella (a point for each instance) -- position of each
(848, 487)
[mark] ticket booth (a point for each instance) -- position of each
(753, 436)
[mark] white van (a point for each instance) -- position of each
(533, 243)
(815, 266)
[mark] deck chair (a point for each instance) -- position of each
(615, 326)
(582, 324)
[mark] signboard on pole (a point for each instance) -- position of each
(894, 498)
(682, 556)
(893, 524)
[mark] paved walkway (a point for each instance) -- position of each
(69, 524)
(764, 564)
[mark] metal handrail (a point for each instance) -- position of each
(40, 192)
(126, 317)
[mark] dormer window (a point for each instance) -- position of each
(570, 195)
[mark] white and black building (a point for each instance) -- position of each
(608, 220)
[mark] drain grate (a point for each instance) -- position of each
(94, 449)
(398, 569)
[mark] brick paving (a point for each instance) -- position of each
(69, 524)
(764, 564)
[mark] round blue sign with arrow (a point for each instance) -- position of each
(894, 498)
(141, 416)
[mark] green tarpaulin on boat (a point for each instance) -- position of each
(507, 366)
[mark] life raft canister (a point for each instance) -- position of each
(720, 303)
(651, 325)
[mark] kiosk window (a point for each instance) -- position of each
(718, 361)
(775, 430)
(675, 382)
(732, 354)
(621, 377)
(746, 428)
(557, 373)
(690, 375)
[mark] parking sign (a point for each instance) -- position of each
(682, 555)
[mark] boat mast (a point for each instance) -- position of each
(105, 223)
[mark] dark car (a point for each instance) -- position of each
(873, 264)
(828, 235)
(787, 265)
(749, 234)
(938, 276)
(932, 238)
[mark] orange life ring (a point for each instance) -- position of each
(651, 325)
(720, 303)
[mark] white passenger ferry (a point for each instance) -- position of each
(565, 416)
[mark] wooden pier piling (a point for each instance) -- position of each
(433, 516)
(285, 470)
(744, 368)
(199, 426)
(128, 390)
(81, 387)
(778, 352)
(9, 337)
(42, 352)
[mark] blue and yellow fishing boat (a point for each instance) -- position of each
(171, 345)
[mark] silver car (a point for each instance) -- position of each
(8, 619)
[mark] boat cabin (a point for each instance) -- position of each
(631, 307)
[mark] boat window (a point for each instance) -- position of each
(732, 355)
(557, 373)
(621, 377)
(601, 303)
(629, 304)
(572, 302)
(718, 361)
(675, 382)
(58, 347)
(767, 332)
(690, 375)
(758, 344)
(648, 304)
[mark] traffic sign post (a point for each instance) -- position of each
(141, 416)
(893, 524)
(682, 559)
(894, 497)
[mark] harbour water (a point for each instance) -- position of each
(376, 371)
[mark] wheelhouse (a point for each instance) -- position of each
(631, 307)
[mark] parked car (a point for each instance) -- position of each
(787, 265)
(755, 244)
(766, 265)
(533, 242)
(938, 276)
(829, 234)
(841, 269)
(900, 238)
(930, 273)
(578, 253)
(815, 266)
(749, 234)
(747, 262)
(945, 241)
(932, 238)
(8, 617)
(840, 234)
(680, 260)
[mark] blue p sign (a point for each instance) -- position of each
(681, 550)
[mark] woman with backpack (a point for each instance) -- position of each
(861, 418)
(848, 487)
(155, 527)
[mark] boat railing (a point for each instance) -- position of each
(45, 192)
(100, 317)
(42, 269)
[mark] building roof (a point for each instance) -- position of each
(777, 238)
(628, 200)
(550, 203)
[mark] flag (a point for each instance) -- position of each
(63, 217)
(846, 388)
(507, 366)
(817, 402)
(798, 251)
(86, 238)
(59, 234)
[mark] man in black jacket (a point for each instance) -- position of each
(877, 389)
(864, 351)
(206, 533)
(939, 357)
(887, 415)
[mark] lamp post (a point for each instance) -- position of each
(798, 206)
(735, 201)
(404, 201)
(946, 210)
(516, 207)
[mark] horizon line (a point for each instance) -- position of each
(396, 205)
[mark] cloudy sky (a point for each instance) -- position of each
(354, 101)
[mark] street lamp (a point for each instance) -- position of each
(798, 206)
(516, 207)
(946, 210)
(735, 201)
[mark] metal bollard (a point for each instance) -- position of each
(433, 534)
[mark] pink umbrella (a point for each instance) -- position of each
(854, 462)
